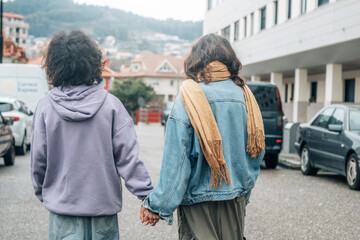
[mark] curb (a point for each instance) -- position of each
(289, 162)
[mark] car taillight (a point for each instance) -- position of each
(14, 119)
(278, 141)
(279, 111)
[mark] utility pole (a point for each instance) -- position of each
(1, 31)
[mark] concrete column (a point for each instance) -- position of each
(334, 86)
(270, 15)
(249, 25)
(295, 8)
(257, 16)
(255, 78)
(282, 11)
(357, 90)
(277, 78)
(311, 5)
(241, 29)
(301, 95)
(232, 27)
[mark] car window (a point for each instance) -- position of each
(354, 123)
(323, 119)
(1, 119)
(338, 117)
(5, 107)
(266, 97)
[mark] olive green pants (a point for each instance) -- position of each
(217, 220)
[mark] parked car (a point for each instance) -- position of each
(166, 112)
(268, 98)
(7, 142)
(331, 141)
(15, 110)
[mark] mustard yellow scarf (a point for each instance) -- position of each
(205, 126)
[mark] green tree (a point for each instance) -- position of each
(129, 92)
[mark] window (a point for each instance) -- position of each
(286, 92)
(209, 5)
(251, 23)
(276, 3)
(349, 90)
(136, 67)
(236, 31)
(24, 31)
(225, 32)
(338, 117)
(292, 93)
(354, 123)
(24, 41)
(322, 2)
(155, 82)
(6, 107)
(322, 120)
(17, 30)
(303, 6)
(171, 82)
(245, 26)
(289, 9)
(263, 18)
(313, 93)
(165, 68)
(17, 40)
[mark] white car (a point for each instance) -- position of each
(15, 110)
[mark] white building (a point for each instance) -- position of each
(16, 29)
(309, 48)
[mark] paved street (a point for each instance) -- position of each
(284, 204)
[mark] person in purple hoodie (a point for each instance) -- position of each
(83, 141)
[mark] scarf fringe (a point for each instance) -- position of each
(219, 174)
(256, 143)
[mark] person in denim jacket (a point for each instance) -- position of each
(210, 195)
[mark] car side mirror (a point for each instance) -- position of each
(9, 122)
(335, 127)
(31, 113)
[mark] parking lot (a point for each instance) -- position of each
(284, 204)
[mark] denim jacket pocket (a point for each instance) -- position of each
(106, 226)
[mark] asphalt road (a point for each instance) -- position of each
(284, 204)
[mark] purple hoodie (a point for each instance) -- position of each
(83, 141)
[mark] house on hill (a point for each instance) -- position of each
(164, 73)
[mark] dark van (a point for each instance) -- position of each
(268, 98)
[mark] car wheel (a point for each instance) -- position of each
(353, 172)
(9, 157)
(272, 161)
(23, 148)
(305, 163)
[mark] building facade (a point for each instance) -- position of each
(164, 73)
(16, 29)
(309, 48)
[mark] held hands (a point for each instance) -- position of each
(148, 217)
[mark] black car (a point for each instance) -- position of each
(331, 141)
(268, 98)
(7, 142)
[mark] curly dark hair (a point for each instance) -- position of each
(207, 49)
(73, 59)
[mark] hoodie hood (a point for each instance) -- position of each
(77, 103)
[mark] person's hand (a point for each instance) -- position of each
(148, 217)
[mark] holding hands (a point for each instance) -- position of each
(148, 217)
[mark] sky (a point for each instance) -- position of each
(185, 10)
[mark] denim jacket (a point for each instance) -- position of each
(185, 175)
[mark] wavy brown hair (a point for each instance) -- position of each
(207, 49)
(73, 59)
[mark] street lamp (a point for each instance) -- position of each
(1, 31)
